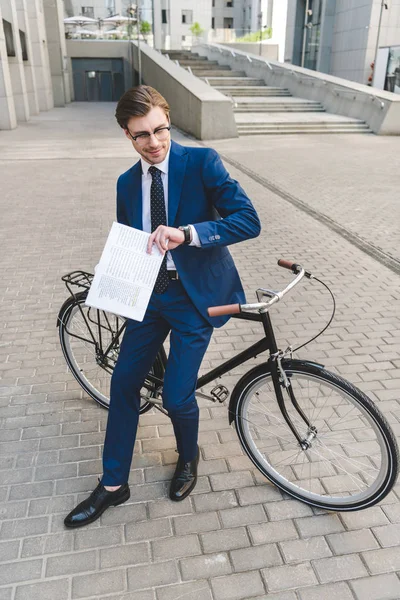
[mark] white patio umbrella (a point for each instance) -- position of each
(79, 20)
(86, 32)
(112, 32)
(118, 19)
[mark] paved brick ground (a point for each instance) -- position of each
(236, 537)
(349, 178)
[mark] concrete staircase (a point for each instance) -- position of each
(260, 109)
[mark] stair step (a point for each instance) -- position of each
(203, 64)
(209, 74)
(283, 105)
(212, 68)
(260, 130)
(302, 124)
(236, 81)
(302, 131)
(272, 109)
(257, 91)
(275, 102)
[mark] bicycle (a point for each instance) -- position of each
(307, 430)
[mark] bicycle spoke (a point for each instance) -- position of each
(335, 468)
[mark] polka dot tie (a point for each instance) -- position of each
(158, 217)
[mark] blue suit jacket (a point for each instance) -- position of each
(200, 192)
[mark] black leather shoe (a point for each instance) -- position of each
(184, 479)
(99, 500)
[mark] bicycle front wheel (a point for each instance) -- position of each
(352, 459)
(84, 351)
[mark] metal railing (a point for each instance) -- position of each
(355, 93)
(300, 78)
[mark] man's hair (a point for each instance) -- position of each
(137, 102)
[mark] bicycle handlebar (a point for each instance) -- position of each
(288, 264)
(225, 309)
(233, 309)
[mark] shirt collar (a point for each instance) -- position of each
(162, 166)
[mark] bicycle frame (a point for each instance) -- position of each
(266, 343)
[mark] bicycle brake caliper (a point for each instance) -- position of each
(279, 356)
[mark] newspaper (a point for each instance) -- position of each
(125, 277)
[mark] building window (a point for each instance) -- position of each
(212, 23)
(9, 38)
(187, 17)
(229, 4)
(88, 11)
(110, 6)
(164, 16)
(22, 38)
(228, 23)
(313, 35)
(213, 4)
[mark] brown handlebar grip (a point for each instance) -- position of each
(226, 309)
(286, 264)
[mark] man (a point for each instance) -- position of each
(185, 198)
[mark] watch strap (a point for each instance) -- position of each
(187, 233)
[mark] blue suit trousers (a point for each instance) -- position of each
(174, 312)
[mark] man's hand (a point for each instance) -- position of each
(165, 238)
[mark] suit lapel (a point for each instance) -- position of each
(135, 196)
(176, 173)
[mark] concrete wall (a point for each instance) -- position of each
(380, 109)
(31, 83)
(40, 54)
(100, 49)
(270, 51)
(15, 63)
(54, 14)
(29, 73)
(196, 107)
(8, 118)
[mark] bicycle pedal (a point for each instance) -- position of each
(219, 393)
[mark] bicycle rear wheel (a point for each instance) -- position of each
(352, 460)
(82, 351)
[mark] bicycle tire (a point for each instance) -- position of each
(353, 460)
(97, 387)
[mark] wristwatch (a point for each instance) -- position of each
(187, 233)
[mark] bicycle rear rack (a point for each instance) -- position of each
(80, 279)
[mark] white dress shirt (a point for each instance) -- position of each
(146, 212)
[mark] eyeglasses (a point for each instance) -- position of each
(161, 134)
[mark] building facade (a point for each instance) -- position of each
(244, 16)
(173, 20)
(101, 9)
(339, 37)
(33, 60)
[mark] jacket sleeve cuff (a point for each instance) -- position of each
(195, 237)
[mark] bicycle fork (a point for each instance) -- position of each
(281, 380)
